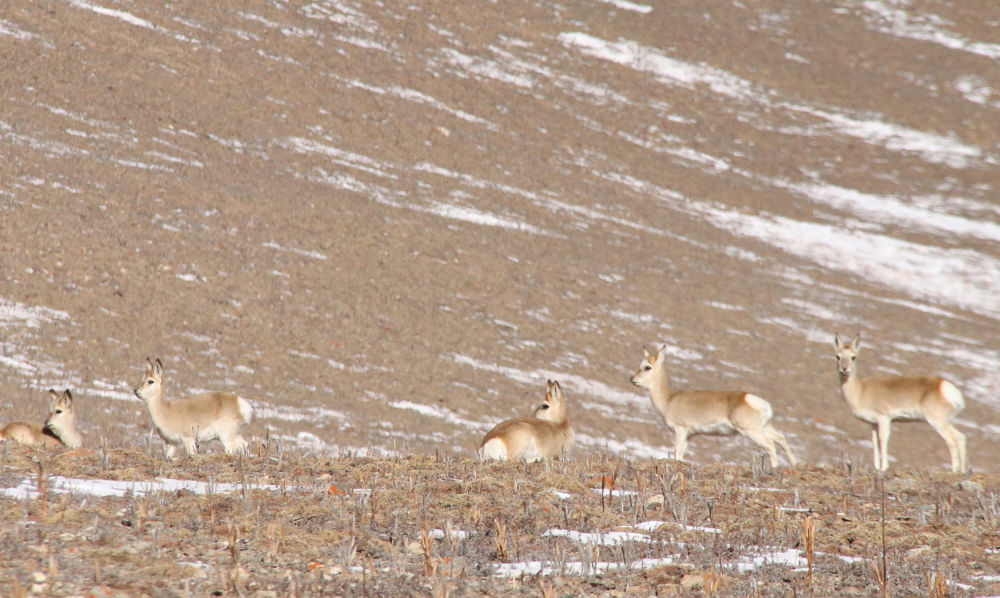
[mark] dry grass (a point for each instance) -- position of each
(364, 526)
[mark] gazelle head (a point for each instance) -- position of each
(152, 381)
(61, 421)
(61, 413)
(553, 408)
(847, 354)
(648, 369)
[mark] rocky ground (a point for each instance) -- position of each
(271, 525)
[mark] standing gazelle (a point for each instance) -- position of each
(192, 419)
(690, 412)
(543, 436)
(878, 401)
(59, 429)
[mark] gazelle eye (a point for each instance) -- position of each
(647, 367)
(151, 381)
(544, 406)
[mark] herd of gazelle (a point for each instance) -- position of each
(548, 433)
(179, 422)
(721, 412)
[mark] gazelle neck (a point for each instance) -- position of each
(70, 437)
(659, 390)
(851, 385)
(157, 404)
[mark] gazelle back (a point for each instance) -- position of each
(878, 401)
(690, 412)
(543, 436)
(185, 422)
(59, 429)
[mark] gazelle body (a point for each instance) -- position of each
(543, 436)
(878, 401)
(58, 431)
(199, 418)
(690, 412)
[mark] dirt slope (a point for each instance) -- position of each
(388, 224)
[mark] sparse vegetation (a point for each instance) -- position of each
(447, 526)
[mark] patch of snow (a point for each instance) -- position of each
(441, 413)
(626, 5)
(28, 488)
(304, 252)
(892, 19)
(597, 538)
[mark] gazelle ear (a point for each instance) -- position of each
(158, 368)
(555, 391)
(53, 398)
(645, 352)
(837, 343)
(856, 343)
(67, 397)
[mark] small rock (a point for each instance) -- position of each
(970, 486)
(692, 581)
(915, 552)
(103, 591)
(139, 547)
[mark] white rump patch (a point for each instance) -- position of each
(951, 394)
(246, 409)
(760, 405)
(495, 449)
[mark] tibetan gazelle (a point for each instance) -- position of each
(543, 436)
(878, 401)
(194, 419)
(690, 412)
(59, 429)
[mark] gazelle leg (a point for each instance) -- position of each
(190, 446)
(884, 429)
(233, 443)
(956, 444)
(875, 456)
(680, 442)
(963, 464)
(780, 439)
(761, 437)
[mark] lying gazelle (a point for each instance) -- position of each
(543, 436)
(690, 412)
(58, 431)
(881, 400)
(194, 419)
